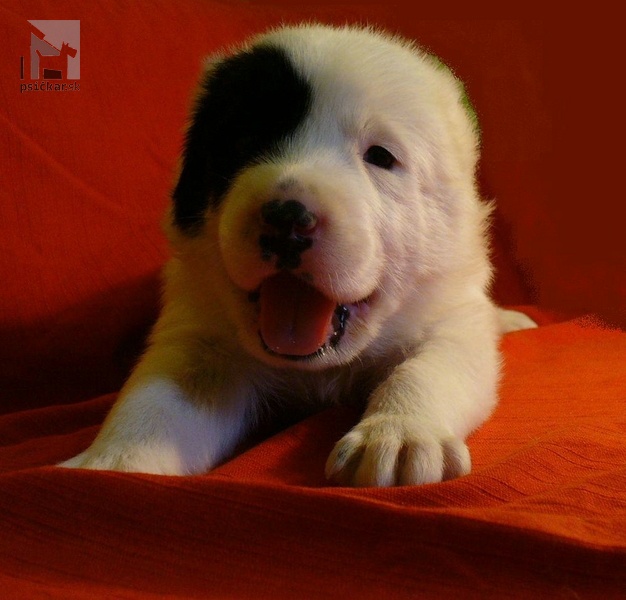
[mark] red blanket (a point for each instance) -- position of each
(85, 179)
(542, 515)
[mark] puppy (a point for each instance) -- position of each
(328, 241)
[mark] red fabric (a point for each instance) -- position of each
(85, 178)
(541, 515)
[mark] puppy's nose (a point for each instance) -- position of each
(287, 227)
(288, 217)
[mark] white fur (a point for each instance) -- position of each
(410, 240)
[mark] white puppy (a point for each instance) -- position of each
(329, 242)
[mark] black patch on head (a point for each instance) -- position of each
(248, 104)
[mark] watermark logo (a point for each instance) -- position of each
(53, 61)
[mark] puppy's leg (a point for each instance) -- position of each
(171, 418)
(416, 421)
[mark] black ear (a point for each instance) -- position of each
(248, 105)
(191, 194)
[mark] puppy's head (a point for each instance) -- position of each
(327, 174)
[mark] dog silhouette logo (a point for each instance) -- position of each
(54, 51)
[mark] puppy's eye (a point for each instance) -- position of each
(379, 157)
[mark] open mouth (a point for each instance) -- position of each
(297, 321)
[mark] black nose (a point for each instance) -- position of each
(287, 227)
(287, 216)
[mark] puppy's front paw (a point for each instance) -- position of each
(129, 459)
(92, 460)
(386, 450)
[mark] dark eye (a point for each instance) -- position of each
(379, 157)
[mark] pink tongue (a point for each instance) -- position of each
(295, 318)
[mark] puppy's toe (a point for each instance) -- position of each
(434, 461)
(378, 464)
(368, 454)
(421, 463)
(457, 460)
(345, 458)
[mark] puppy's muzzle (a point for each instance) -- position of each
(287, 229)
